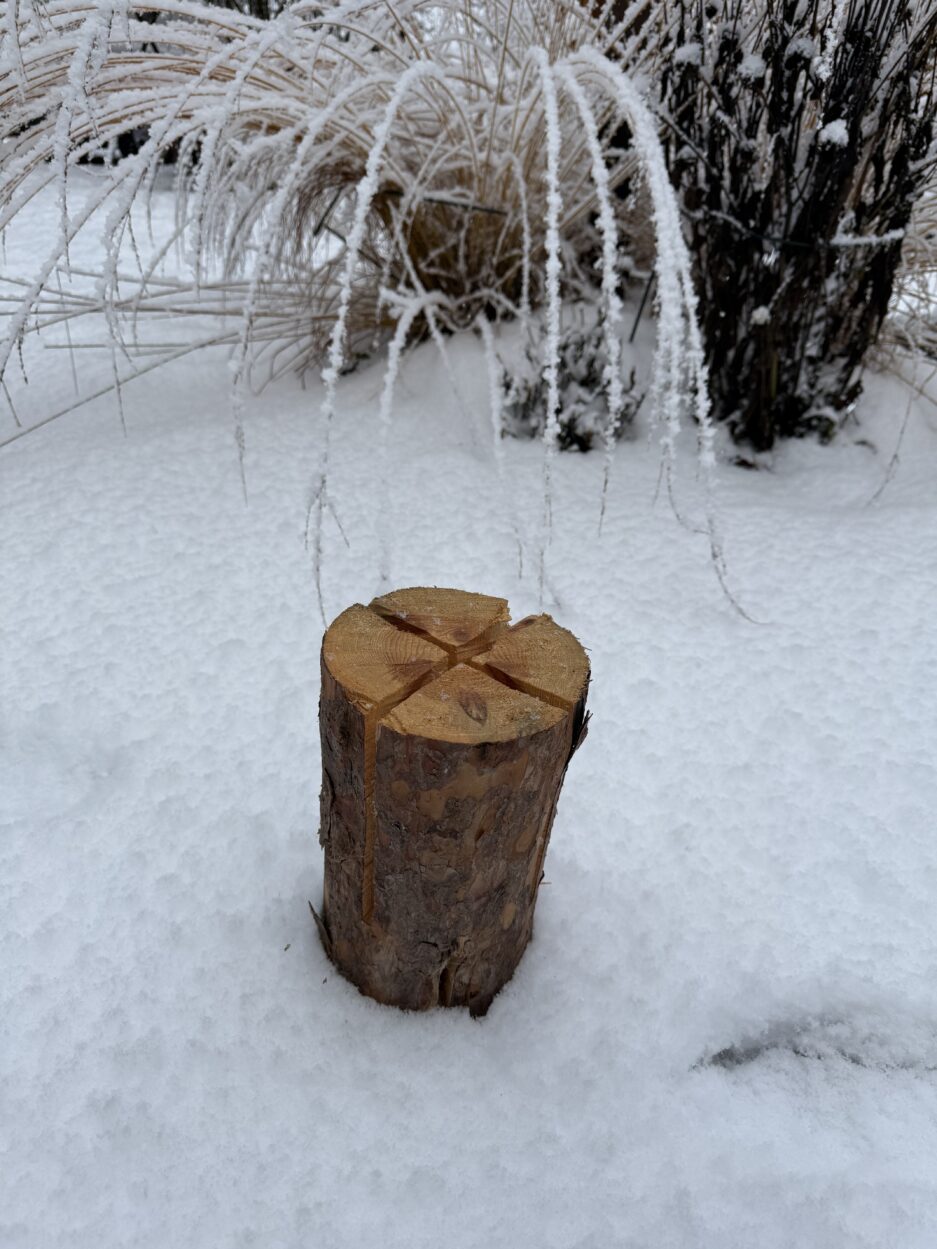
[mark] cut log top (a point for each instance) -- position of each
(450, 618)
(445, 664)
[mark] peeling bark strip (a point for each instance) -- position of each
(446, 733)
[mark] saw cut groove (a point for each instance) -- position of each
(524, 687)
(457, 654)
(406, 627)
(375, 666)
(539, 658)
(372, 719)
(452, 619)
(446, 733)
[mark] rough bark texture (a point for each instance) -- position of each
(442, 762)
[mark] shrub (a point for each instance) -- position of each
(911, 328)
(582, 362)
(798, 134)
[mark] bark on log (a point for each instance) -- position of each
(445, 738)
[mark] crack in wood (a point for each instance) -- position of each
(463, 654)
(458, 653)
(467, 653)
(371, 721)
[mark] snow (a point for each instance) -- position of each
(688, 54)
(835, 133)
(724, 1033)
(552, 276)
(802, 46)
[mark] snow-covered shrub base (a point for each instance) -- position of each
(583, 414)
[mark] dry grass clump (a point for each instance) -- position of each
(349, 173)
(272, 126)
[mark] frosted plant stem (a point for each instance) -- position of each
(895, 458)
(18, 319)
(6, 394)
(613, 310)
(318, 120)
(409, 311)
(68, 337)
(90, 49)
(11, 39)
(553, 266)
(212, 136)
(366, 190)
(679, 367)
(497, 97)
(23, 431)
(673, 258)
(431, 307)
(125, 179)
(118, 390)
(497, 432)
(525, 237)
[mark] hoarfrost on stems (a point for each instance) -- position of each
(425, 156)
(551, 427)
(612, 302)
(365, 192)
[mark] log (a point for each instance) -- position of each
(446, 733)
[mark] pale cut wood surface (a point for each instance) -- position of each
(452, 618)
(466, 705)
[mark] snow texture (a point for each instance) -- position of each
(835, 133)
(752, 68)
(688, 54)
(724, 1034)
(553, 270)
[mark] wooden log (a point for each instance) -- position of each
(446, 733)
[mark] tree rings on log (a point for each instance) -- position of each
(446, 732)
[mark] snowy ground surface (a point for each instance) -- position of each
(725, 1031)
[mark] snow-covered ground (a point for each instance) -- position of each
(725, 1031)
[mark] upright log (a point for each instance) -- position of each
(445, 738)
